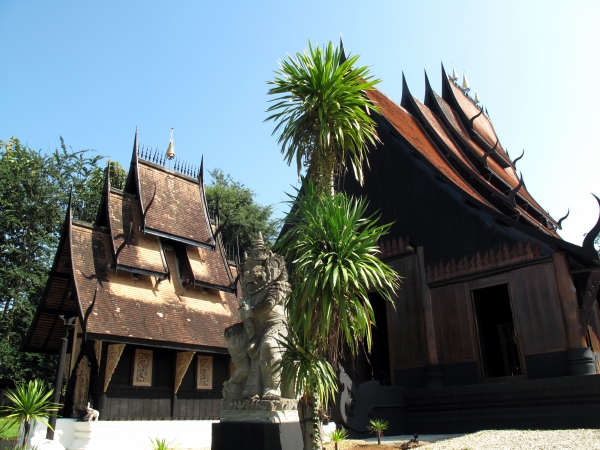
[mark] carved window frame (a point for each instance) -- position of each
(204, 372)
(139, 353)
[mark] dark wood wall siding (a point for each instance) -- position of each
(594, 328)
(405, 322)
(537, 311)
(127, 402)
(454, 323)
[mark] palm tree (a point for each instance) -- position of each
(323, 118)
(378, 426)
(322, 112)
(30, 403)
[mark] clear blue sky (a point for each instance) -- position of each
(93, 71)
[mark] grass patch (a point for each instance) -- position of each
(10, 432)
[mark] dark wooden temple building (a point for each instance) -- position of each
(497, 323)
(152, 291)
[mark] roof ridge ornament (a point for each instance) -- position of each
(563, 218)
(342, 51)
(590, 237)
(465, 84)
(454, 76)
(171, 149)
(477, 100)
(516, 159)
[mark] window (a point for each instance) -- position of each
(496, 332)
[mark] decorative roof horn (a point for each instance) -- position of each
(516, 159)
(563, 218)
(590, 237)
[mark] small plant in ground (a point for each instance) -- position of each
(378, 426)
(30, 403)
(338, 436)
(162, 444)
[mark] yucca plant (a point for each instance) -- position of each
(338, 436)
(322, 112)
(332, 250)
(378, 426)
(30, 403)
(162, 444)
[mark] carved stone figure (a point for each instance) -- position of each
(253, 344)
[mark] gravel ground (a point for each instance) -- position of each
(520, 439)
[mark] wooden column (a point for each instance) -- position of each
(580, 358)
(568, 301)
(434, 375)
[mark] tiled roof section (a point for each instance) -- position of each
(481, 124)
(441, 132)
(146, 308)
(208, 266)
(410, 129)
(508, 175)
(141, 250)
(178, 208)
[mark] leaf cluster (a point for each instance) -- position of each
(242, 218)
(332, 248)
(30, 402)
(322, 112)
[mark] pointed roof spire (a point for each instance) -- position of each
(135, 143)
(454, 75)
(476, 97)
(201, 171)
(171, 149)
(342, 51)
(465, 84)
(259, 243)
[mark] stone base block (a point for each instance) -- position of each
(270, 433)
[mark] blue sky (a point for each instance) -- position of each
(93, 71)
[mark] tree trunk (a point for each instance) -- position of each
(308, 412)
(26, 427)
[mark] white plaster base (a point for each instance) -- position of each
(133, 434)
(63, 434)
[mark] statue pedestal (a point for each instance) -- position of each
(257, 425)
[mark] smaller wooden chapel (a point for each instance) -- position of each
(152, 290)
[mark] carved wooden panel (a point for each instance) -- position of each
(183, 361)
(76, 346)
(82, 384)
(98, 352)
(112, 359)
(204, 373)
(142, 368)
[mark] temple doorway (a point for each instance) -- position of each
(496, 332)
(376, 364)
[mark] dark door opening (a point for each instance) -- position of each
(377, 366)
(496, 331)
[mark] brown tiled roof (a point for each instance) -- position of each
(178, 208)
(146, 308)
(208, 266)
(410, 129)
(141, 250)
(481, 124)
(508, 175)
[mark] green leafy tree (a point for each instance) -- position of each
(323, 117)
(242, 218)
(33, 197)
(31, 402)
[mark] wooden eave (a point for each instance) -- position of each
(59, 298)
(115, 339)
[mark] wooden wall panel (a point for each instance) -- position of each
(405, 323)
(594, 328)
(454, 325)
(537, 310)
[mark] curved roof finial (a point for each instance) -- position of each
(588, 242)
(171, 149)
(563, 218)
(516, 159)
(465, 84)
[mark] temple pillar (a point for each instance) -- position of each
(434, 372)
(580, 358)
